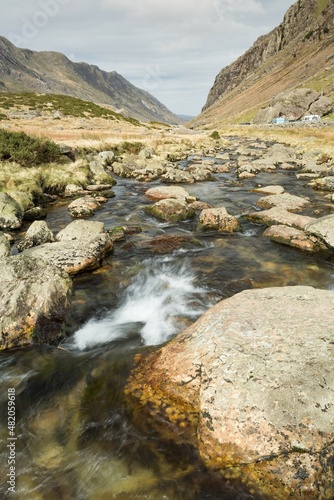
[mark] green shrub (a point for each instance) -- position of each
(132, 148)
(215, 135)
(26, 150)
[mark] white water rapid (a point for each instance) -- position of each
(160, 296)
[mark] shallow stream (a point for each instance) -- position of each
(76, 438)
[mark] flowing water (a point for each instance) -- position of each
(76, 436)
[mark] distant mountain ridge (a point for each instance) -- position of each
(299, 52)
(53, 73)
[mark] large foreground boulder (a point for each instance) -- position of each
(34, 297)
(250, 385)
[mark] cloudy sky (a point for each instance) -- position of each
(171, 48)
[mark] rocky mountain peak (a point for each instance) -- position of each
(293, 52)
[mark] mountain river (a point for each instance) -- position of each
(76, 437)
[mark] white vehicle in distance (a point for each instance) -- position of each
(311, 119)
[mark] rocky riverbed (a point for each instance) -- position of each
(222, 217)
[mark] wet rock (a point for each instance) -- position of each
(37, 234)
(73, 189)
(220, 168)
(11, 214)
(163, 192)
(270, 190)
(247, 168)
(198, 206)
(246, 175)
(5, 250)
(218, 219)
(149, 173)
(81, 230)
(312, 167)
(294, 238)
(35, 213)
(83, 207)
(34, 298)
(175, 175)
(122, 170)
(250, 385)
(98, 187)
(74, 256)
(323, 228)
(278, 216)
(324, 183)
(284, 201)
(170, 210)
(200, 174)
(223, 156)
(167, 243)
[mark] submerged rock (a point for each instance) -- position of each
(294, 238)
(250, 385)
(34, 298)
(270, 190)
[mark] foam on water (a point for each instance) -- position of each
(160, 295)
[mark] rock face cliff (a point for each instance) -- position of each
(291, 55)
(53, 73)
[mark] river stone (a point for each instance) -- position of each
(34, 298)
(200, 174)
(100, 176)
(277, 216)
(83, 207)
(11, 213)
(294, 238)
(218, 219)
(81, 230)
(269, 190)
(38, 233)
(163, 192)
(74, 256)
(175, 175)
(148, 173)
(324, 183)
(170, 210)
(286, 201)
(323, 228)
(251, 386)
(4, 246)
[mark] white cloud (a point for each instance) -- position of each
(173, 48)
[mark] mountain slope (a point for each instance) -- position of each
(299, 52)
(54, 73)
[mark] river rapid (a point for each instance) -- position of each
(76, 436)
